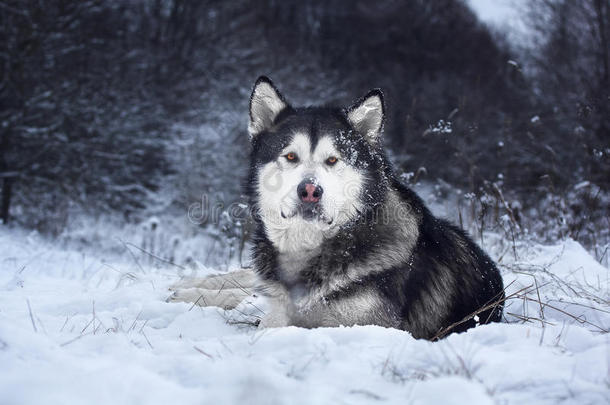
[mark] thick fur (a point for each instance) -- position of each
(372, 253)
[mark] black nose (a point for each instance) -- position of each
(309, 191)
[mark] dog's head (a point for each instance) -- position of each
(315, 169)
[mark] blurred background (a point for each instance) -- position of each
(130, 115)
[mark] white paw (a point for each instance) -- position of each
(274, 319)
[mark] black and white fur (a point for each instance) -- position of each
(366, 250)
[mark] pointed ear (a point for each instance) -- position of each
(367, 115)
(266, 103)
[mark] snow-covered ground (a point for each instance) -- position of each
(85, 327)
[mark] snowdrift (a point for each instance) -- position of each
(81, 329)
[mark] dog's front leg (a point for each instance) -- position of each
(224, 290)
(236, 279)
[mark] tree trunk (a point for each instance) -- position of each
(601, 11)
(7, 187)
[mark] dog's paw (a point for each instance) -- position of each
(277, 319)
(185, 295)
(226, 298)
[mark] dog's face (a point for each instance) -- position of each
(313, 169)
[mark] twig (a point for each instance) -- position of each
(155, 256)
(493, 304)
(581, 305)
(576, 318)
(368, 394)
(601, 259)
(86, 326)
(133, 325)
(135, 259)
(256, 307)
(147, 341)
(31, 316)
(72, 340)
(143, 325)
(197, 300)
(66, 322)
(202, 352)
(530, 319)
(537, 293)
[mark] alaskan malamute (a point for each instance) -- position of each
(339, 240)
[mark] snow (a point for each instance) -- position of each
(441, 127)
(80, 328)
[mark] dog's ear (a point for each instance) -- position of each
(367, 115)
(266, 103)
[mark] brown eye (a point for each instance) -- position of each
(331, 160)
(291, 157)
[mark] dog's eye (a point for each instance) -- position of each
(292, 157)
(331, 160)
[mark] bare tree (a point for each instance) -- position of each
(571, 70)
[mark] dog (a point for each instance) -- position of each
(338, 239)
